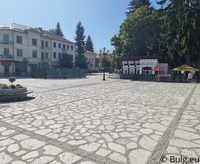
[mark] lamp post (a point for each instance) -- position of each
(104, 49)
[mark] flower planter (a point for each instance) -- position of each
(13, 94)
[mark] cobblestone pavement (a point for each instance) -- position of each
(126, 122)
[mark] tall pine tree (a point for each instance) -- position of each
(181, 33)
(57, 31)
(135, 4)
(89, 44)
(80, 46)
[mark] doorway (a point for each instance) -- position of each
(6, 71)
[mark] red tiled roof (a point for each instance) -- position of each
(89, 52)
(56, 37)
(98, 56)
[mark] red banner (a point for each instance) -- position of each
(5, 62)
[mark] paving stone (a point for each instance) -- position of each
(147, 143)
(69, 157)
(103, 152)
(116, 147)
(90, 147)
(30, 155)
(52, 150)
(118, 157)
(13, 148)
(139, 156)
(4, 158)
(32, 144)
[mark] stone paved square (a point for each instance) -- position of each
(126, 122)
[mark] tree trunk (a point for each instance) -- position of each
(188, 59)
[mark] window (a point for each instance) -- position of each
(34, 42)
(19, 52)
(67, 46)
(42, 55)
(19, 39)
(59, 55)
(54, 55)
(46, 44)
(42, 43)
(71, 47)
(46, 55)
(64, 46)
(34, 54)
(92, 59)
(59, 45)
(54, 44)
(6, 51)
(6, 38)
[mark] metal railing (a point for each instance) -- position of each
(6, 42)
(45, 48)
(64, 49)
(45, 59)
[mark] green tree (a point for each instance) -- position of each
(89, 44)
(57, 30)
(66, 61)
(180, 31)
(81, 62)
(135, 4)
(138, 35)
(106, 62)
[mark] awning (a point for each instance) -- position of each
(185, 68)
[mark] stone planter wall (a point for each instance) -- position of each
(137, 77)
(13, 91)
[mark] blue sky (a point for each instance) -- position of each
(101, 18)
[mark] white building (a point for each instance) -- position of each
(23, 48)
(142, 65)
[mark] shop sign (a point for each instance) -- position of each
(6, 56)
(5, 62)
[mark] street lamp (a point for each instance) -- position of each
(104, 49)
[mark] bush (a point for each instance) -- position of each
(19, 86)
(5, 87)
(12, 86)
(12, 79)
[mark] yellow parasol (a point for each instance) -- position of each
(185, 68)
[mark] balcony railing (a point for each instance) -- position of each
(45, 59)
(64, 49)
(45, 48)
(6, 42)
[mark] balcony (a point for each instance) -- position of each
(45, 48)
(6, 43)
(5, 57)
(64, 50)
(45, 59)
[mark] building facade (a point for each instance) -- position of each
(90, 59)
(23, 48)
(143, 65)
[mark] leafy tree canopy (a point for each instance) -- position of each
(138, 35)
(66, 61)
